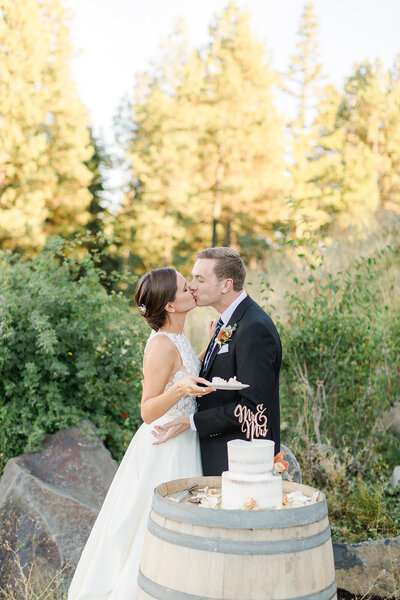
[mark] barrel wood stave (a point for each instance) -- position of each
(272, 534)
(215, 558)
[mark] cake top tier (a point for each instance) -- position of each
(251, 457)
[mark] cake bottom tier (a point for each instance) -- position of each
(238, 488)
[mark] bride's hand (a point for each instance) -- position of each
(189, 387)
(211, 328)
(165, 432)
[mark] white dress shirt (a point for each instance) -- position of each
(225, 317)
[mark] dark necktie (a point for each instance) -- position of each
(212, 343)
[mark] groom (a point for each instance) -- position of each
(250, 350)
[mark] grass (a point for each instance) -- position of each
(29, 582)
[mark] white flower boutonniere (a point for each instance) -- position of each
(225, 334)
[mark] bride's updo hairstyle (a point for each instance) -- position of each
(153, 292)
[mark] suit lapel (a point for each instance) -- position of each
(236, 316)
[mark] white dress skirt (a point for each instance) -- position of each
(109, 564)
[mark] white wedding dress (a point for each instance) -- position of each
(109, 564)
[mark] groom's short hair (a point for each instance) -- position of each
(228, 264)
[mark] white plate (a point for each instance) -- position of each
(228, 386)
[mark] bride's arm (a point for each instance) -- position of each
(160, 363)
(210, 331)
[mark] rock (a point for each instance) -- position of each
(49, 501)
(371, 568)
(395, 478)
(391, 419)
(294, 467)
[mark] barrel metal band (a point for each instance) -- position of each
(239, 519)
(163, 593)
(232, 547)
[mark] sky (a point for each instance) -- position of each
(116, 39)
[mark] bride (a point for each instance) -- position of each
(109, 564)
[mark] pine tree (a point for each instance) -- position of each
(389, 182)
(304, 83)
(100, 229)
(97, 163)
(243, 167)
(356, 157)
(205, 148)
(158, 213)
(44, 136)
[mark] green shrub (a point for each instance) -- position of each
(340, 372)
(336, 372)
(68, 351)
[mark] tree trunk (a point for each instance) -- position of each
(227, 241)
(217, 203)
(214, 240)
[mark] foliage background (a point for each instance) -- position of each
(340, 374)
(68, 351)
(312, 202)
(209, 157)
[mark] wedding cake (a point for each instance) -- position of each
(250, 477)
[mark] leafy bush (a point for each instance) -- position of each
(340, 373)
(68, 351)
(335, 358)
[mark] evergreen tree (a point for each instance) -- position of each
(358, 119)
(304, 83)
(100, 238)
(389, 181)
(157, 216)
(356, 156)
(242, 165)
(205, 148)
(97, 164)
(44, 138)
(344, 162)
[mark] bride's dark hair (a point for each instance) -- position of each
(153, 291)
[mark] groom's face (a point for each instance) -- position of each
(205, 287)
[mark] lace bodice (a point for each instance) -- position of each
(190, 366)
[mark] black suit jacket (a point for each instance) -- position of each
(254, 356)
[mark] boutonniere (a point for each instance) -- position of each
(225, 334)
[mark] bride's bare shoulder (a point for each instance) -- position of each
(160, 361)
(160, 347)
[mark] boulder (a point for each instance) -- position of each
(369, 568)
(294, 467)
(395, 478)
(49, 501)
(391, 419)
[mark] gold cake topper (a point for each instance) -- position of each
(254, 425)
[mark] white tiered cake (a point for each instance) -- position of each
(250, 475)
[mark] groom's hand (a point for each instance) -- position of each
(211, 328)
(162, 433)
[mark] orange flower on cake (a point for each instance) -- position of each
(281, 467)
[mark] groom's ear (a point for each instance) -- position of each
(169, 307)
(227, 286)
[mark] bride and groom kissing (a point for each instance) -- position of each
(187, 423)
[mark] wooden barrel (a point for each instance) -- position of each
(196, 553)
